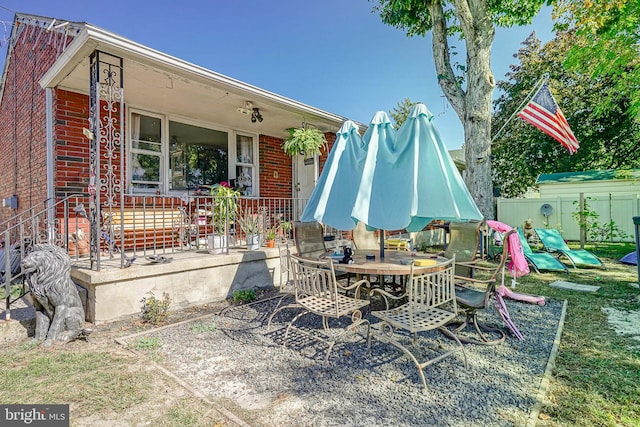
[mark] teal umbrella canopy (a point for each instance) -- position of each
(334, 194)
(390, 179)
(438, 190)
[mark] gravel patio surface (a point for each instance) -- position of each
(242, 366)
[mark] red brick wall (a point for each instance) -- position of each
(273, 160)
(23, 122)
(71, 153)
(71, 150)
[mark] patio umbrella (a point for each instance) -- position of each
(407, 179)
(334, 194)
(415, 180)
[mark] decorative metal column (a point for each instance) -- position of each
(106, 151)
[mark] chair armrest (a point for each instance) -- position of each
(355, 286)
(387, 296)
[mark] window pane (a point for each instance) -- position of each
(198, 156)
(147, 134)
(146, 168)
(244, 148)
(244, 180)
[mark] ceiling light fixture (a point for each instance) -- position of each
(256, 116)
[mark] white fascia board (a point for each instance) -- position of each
(92, 38)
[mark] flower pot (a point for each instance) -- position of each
(217, 244)
(80, 248)
(253, 242)
(270, 243)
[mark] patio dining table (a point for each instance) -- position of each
(395, 263)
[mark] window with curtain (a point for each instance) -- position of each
(169, 155)
(245, 164)
(146, 152)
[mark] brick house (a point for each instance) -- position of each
(159, 123)
(86, 113)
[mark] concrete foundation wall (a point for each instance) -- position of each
(117, 293)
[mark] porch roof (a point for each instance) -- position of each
(160, 82)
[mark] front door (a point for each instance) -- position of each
(304, 180)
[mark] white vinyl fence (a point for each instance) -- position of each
(619, 208)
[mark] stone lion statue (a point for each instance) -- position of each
(59, 310)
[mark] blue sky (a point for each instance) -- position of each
(332, 54)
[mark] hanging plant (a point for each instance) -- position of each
(305, 140)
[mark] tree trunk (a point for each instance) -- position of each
(472, 106)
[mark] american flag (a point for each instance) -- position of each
(543, 112)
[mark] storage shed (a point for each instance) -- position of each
(592, 183)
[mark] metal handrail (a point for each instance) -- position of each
(28, 228)
(146, 225)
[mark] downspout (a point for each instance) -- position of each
(50, 201)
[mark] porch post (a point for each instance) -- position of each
(106, 152)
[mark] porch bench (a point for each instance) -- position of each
(143, 228)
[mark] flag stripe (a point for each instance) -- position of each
(556, 121)
(550, 126)
(543, 112)
(551, 131)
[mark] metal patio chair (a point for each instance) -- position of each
(476, 294)
(430, 304)
(318, 292)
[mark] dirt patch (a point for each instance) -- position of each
(625, 322)
(170, 403)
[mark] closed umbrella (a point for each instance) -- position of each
(406, 180)
(334, 194)
(415, 180)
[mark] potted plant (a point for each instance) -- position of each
(270, 236)
(305, 140)
(286, 227)
(251, 224)
(225, 210)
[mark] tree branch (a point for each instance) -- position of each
(440, 46)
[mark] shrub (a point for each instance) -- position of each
(244, 295)
(155, 311)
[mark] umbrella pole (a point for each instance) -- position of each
(381, 244)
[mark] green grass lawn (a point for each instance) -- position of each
(596, 381)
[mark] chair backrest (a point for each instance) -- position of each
(464, 242)
(365, 239)
(552, 239)
(526, 248)
(317, 279)
(432, 290)
(309, 239)
(495, 272)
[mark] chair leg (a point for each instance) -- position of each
(386, 335)
(280, 308)
(471, 319)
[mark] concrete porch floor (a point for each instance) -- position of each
(191, 278)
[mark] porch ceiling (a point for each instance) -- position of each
(160, 83)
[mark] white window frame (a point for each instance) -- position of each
(131, 150)
(233, 158)
(164, 160)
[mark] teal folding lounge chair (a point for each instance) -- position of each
(540, 261)
(553, 242)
